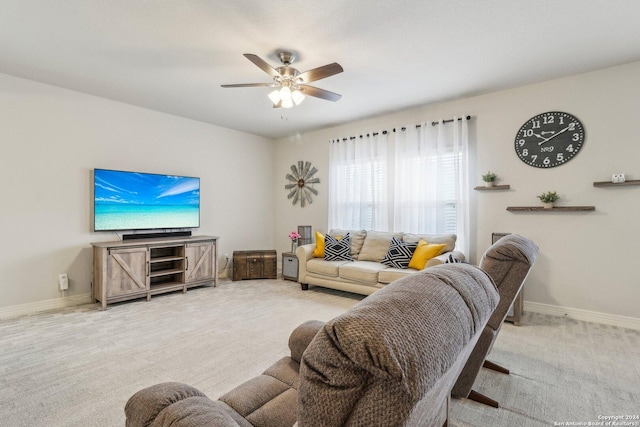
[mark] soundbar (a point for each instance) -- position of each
(163, 235)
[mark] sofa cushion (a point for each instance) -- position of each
(357, 239)
(337, 250)
(324, 268)
(264, 401)
(361, 271)
(376, 245)
(448, 239)
(389, 275)
(399, 253)
(424, 252)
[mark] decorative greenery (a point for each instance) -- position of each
(548, 197)
(489, 177)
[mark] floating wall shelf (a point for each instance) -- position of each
(495, 187)
(553, 209)
(616, 184)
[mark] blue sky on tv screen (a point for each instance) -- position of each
(134, 188)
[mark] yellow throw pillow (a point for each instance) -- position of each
(423, 253)
(318, 252)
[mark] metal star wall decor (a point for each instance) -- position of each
(300, 179)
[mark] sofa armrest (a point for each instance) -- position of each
(302, 336)
(304, 254)
(442, 258)
(176, 404)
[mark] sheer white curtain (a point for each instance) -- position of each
(358, 183)
(461, 145)
(431, 180)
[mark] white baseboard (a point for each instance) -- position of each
(38, 306)
(586, 315)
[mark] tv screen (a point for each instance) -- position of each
(143, 201)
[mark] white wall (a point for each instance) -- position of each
(52, 138)
(588, 261)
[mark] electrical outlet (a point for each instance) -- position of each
(63, 281)
(226, 256)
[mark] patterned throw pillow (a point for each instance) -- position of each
(337, 250)
(399, 253)
(452, 260)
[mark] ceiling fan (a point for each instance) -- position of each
(290, 85)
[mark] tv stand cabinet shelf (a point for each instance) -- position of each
(125, 270)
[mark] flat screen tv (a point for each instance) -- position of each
(144, 201)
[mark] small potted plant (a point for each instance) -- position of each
(548, 199)
(489, 178)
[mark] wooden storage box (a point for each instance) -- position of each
(254, 265)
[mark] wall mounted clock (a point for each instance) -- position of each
(549, 139)
(301, 182)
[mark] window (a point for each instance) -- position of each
(415, 182)
(358, 180)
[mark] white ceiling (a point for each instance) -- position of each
(173, 55)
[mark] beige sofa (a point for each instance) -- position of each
(389, 361)
(366, 273)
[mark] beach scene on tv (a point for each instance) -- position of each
(142, 201)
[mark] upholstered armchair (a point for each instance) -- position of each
(508, 262)
(389, 361)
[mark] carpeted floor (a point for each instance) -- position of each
(78, 366)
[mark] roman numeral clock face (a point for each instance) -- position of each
(549, 139)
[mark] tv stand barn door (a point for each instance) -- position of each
(200, 261)
(124, 270)
(127, 272)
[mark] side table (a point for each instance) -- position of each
(289, 266)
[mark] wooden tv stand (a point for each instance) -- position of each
(124, 270)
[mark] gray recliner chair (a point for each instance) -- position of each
(508, 262)
(389, 361)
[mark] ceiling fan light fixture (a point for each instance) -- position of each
(285, 94)
(274, 96)
(297, 97)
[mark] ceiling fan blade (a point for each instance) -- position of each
(262, 64)
(249, 85)
(320, 93)
(320, 72)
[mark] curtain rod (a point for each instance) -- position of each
(402, 129)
